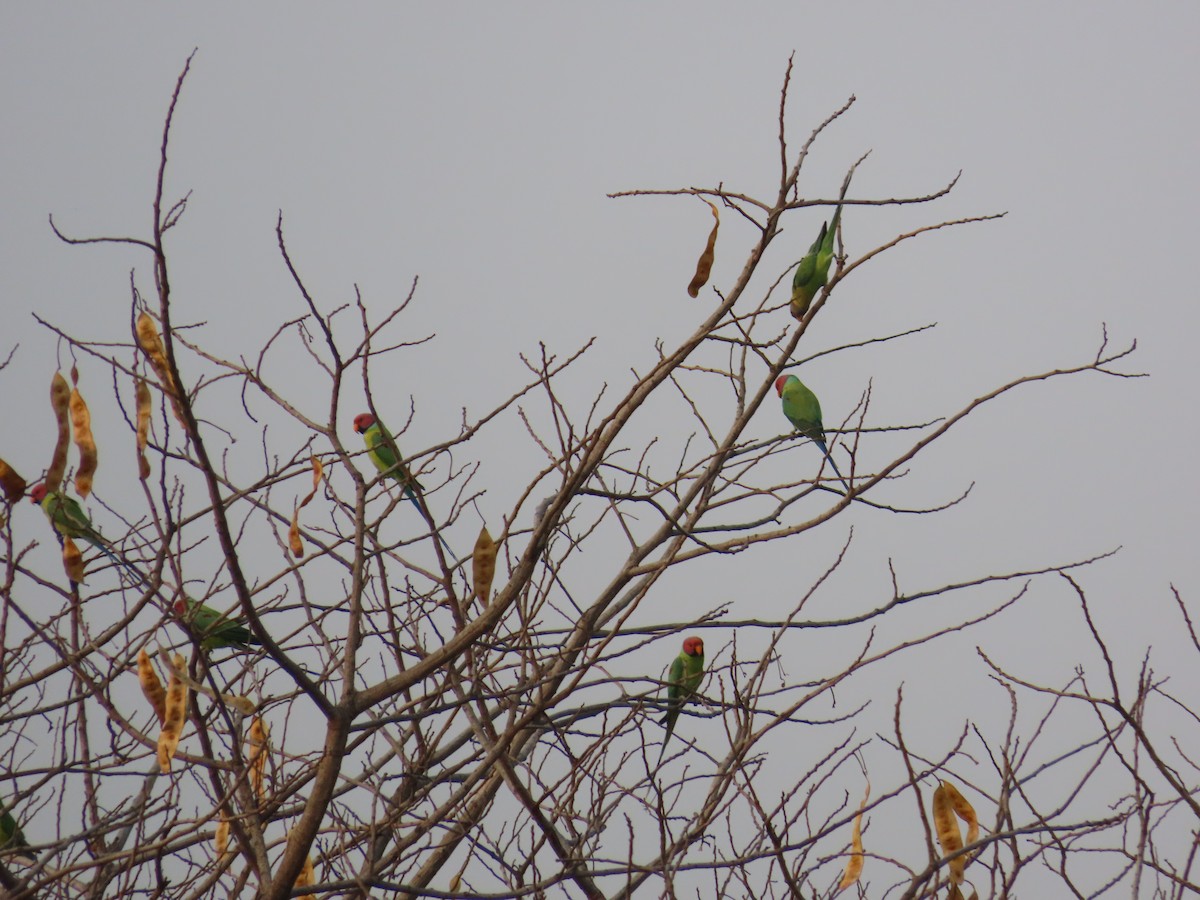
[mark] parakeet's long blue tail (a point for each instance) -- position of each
(412, 497)
(117, 558)
(821, 446)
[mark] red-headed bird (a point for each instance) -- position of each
(803, 410)
(684, 677)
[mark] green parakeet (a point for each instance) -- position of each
(11, 836)
(687, 671)
(69, 520)
(214, 629)
(376, 437)
(803, 410)
(813, 270)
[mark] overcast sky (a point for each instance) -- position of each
(473, 146)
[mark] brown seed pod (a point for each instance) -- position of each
(60, 402)
(172, 729)
(483, 565)
(11, 483)
(152, 686)
(705, 263)
(81, 424)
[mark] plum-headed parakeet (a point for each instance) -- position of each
(813, 270)
(379, 447)
(69, 520)
(803, 410)
(684, 677)
(212, 628)
(11, 836)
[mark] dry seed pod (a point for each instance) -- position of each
(172, 729)
(72, 561)
(257, 755)
(705, 263)
(152, 686)
(963, 810)
(949, 836)
(294, 532)
(60, 402)
(221, 837)
(11, 483)
(483, 565)
(142, 395)
(81, 422)
(306, 877)
(152, 346)
(854, 865)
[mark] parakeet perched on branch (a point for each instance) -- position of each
(379, 447)
(11, 836)
(212, 628)
(69, 520)
(684, 677)
(813, 270)
(803, 410)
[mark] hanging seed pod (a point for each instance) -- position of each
(152, 686)
(172, 729)
(854, 865)
(11, 483)
(152, 346)
(256, 756)
(221, 837)
(483, 565)
(60, 402)
(705, 263)
(81, 424)
(948, 834)
(142, 398)
(72, 561)
(297, 547)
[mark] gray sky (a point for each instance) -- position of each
(473, 146)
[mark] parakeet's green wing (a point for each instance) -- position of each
(215, 630)
(803, 410)
(11, 836)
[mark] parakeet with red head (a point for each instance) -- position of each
(684, 677)
(803, 410)
(379, 447)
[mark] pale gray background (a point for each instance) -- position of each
(473, 146)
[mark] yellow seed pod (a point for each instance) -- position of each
(306, 877)
(483, 565)
(221, 837)
(256, 756)
(705, 263)
(854, 865)
(11, 483)
(172, 729)
(72, 561)
(142, 395)
(152, 346)
(964, 811)
(60, 402)
(294, 542)
(81, 423)
(949, 836)
(152, 686)
(149, 341)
